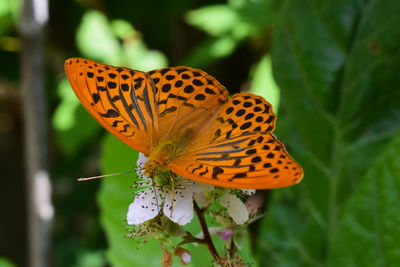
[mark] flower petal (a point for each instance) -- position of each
(140, 166)
(145, 206)
(236, 208)
(201, 193)
(182, 211)
(225, 234)
(249, 192)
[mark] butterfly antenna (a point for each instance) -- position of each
(102, 176)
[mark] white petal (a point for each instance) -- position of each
(201, 193)
(140, 164)
(182, 211)
(249, 192)
(145, 206)
(236, 208)
(201, 199)
(199, 187)
(186, 257)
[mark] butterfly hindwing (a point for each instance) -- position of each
(239, 149)
(122, 100)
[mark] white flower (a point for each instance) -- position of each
(149, 201)
(236, 208)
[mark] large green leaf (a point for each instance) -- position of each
(369, 233)
(337, 65)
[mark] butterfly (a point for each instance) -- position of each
(183, 120)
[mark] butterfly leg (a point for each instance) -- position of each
(173, 192)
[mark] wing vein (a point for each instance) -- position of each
(127, 109)
(136, 105)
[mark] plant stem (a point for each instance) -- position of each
(206, 233)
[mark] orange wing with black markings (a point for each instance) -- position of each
(122, 100)
(219, 141)
(186, 99)
(238, 149)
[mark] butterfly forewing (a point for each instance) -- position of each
(187, 98)
(122, 100)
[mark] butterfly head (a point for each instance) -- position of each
(160, 175)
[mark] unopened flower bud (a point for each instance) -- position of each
(184, 255)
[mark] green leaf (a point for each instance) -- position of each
(137, 56)
(121, 28)
(371, 217)
(214, 48)
(263, 83)
(4, 262)
(72, 123)
(336, 63)
(228, 25)
(95, 38)
(216, 20)
(9, 12)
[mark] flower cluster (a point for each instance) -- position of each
(152, 199)
(160, 210)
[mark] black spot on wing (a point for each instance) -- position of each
(216, 172)
(111, 113)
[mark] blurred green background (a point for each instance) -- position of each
(330, 68)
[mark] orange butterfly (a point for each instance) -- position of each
(182, 119)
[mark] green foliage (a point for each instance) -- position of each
(4, 262)
(371, 216)
(116, 43)
(9, 10)
(74, 126)
(228, 25)
(262, 82)
(336, 63)
(96, 40)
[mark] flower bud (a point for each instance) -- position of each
(184, 255)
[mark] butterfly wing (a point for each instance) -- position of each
(186, 98)
(237, 149)
(122, 100)
(221, 142)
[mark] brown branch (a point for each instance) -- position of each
(33, 19)
(206, 233)
(189, 238)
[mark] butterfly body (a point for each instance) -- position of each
(183, 120)
(159, 158)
